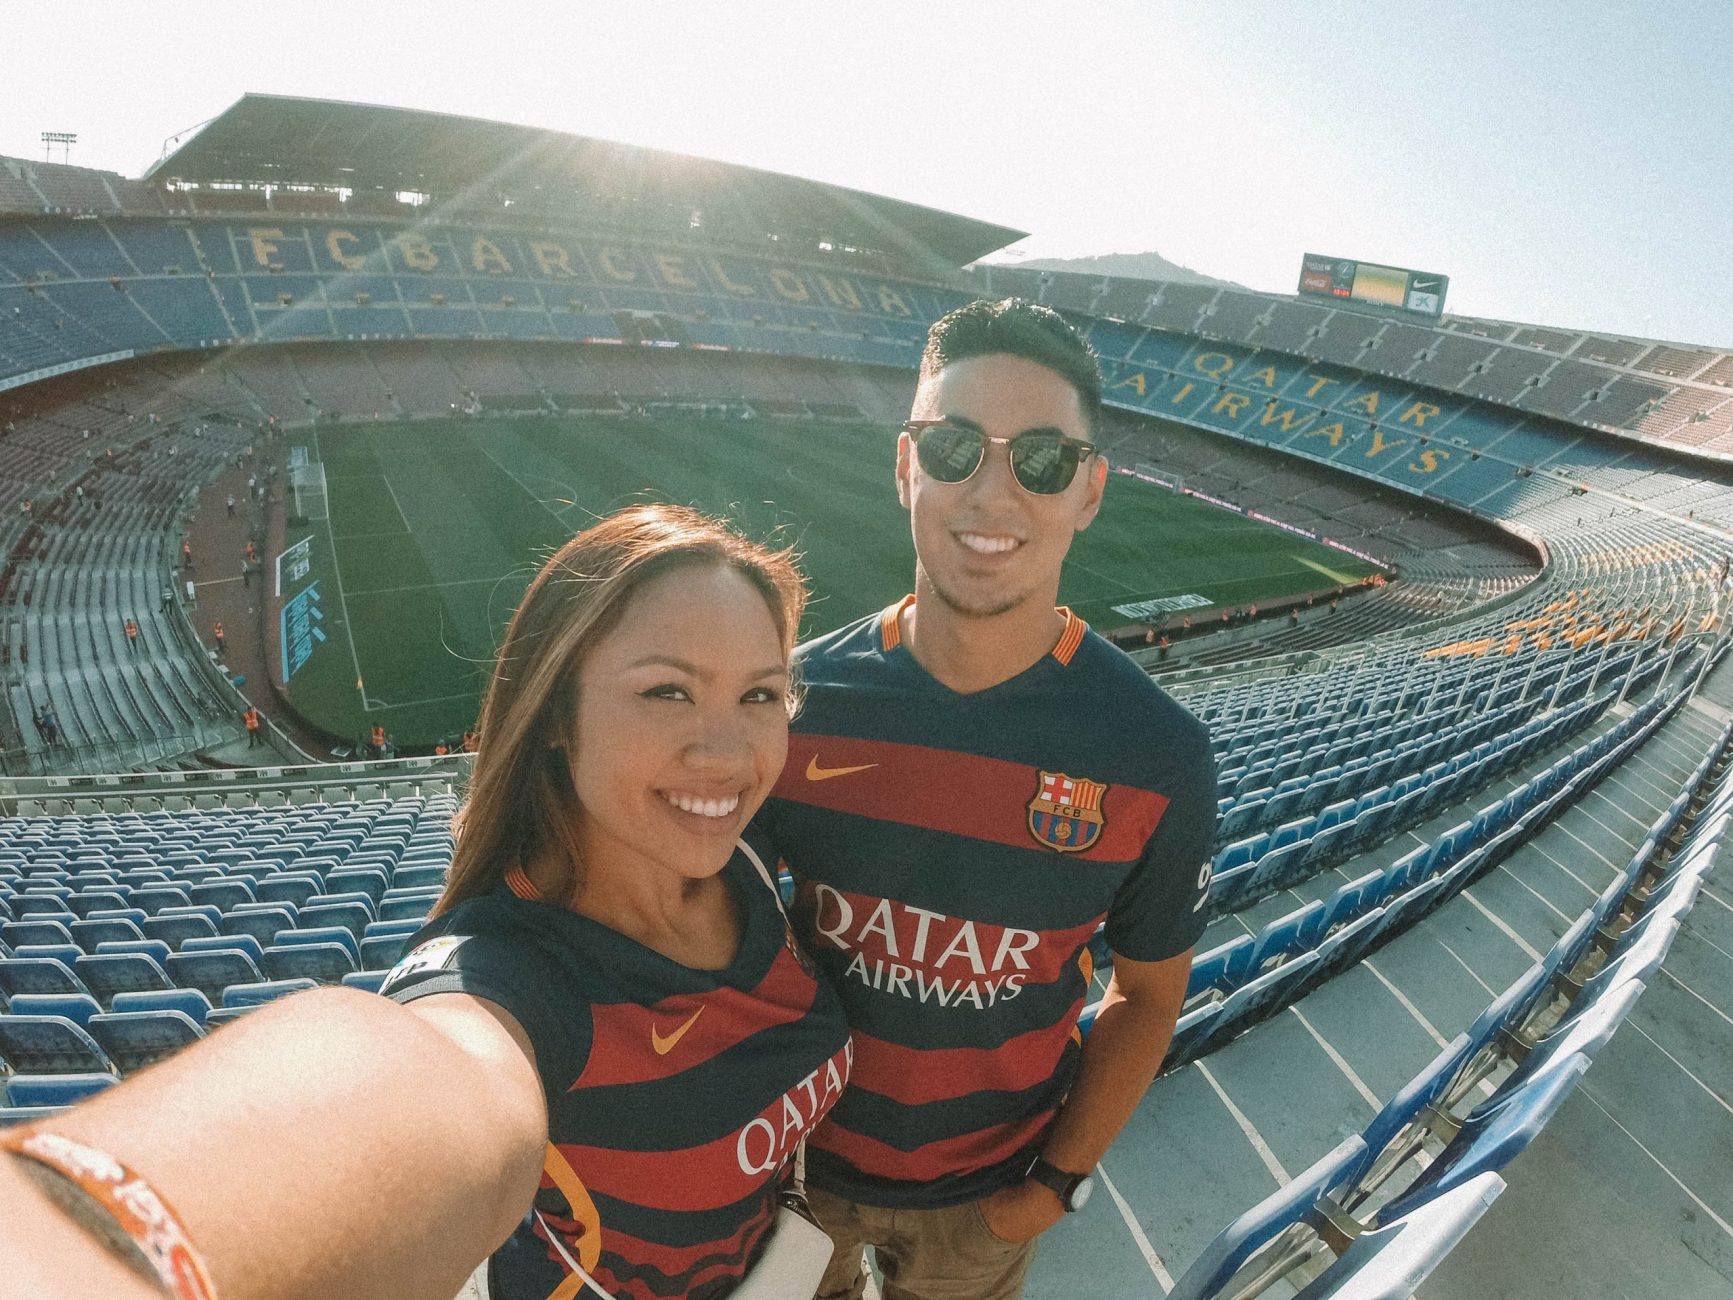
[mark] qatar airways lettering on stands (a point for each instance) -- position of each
(925, 955)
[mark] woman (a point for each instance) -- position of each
(605, 1046)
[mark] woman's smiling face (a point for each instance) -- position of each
(682, 724)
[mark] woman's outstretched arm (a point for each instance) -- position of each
(332, 1144)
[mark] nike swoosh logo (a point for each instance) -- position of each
(665, 1045)
(816, 773)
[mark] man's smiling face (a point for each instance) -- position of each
(987, 546)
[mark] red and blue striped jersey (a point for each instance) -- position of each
(953, 855)
(675, 1096)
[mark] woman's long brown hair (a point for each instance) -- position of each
(520, 799)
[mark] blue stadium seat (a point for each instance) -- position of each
(413, 905)
(211, 972)
(1351, 899)
(49, 1045)
(352, 916)
(371, 980)
(26, 906)
(37, 975)
(1199, 1031)
(1229, 889)
(370, 881)
(409, 877)
(55, 1090)
(76, 1007)
(259, 922)
(67, 953)
(83, 903)
(1389, 1263)
(189, 1002)
(1346, 946)
(228, 942)
(326, 963)
(1210, 1274)
(176, 930)
(107, 974)
(221, 894)
(294, 888)
(88, 934)
(1583, 1031)
(220, 1016)
(322, 934)
(238, 995)
(380, 952)
(137, 915)
(10, 1115)
(1491, 1136)
(1287, 935)
(1222, 968)
(155, 949)
(35, 930)
(152, 900)
(135, 1039)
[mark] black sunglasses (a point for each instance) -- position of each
(1043, 461)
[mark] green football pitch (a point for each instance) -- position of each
(435, 529)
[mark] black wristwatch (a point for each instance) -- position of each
(1071, 1189)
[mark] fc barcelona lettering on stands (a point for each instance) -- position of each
(459, 252)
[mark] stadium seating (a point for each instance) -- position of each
(132, 924)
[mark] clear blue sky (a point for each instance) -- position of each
(1570, 164)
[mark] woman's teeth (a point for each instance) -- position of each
(703, 807)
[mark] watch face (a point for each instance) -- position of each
(1080, 1194)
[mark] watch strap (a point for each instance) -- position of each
(1060, 1182)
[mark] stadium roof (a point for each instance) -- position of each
(282, 140)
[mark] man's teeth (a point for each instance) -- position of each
(986, 545)
(703, 807)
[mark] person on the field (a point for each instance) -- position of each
(599, 1055)
(975, 783)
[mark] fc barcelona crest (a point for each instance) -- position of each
(1065, 813)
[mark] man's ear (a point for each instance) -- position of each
(905, 457)
(1096, 486)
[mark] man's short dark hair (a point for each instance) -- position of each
(1019, 328)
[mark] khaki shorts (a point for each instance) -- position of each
(947, 1254)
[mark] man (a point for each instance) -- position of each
(251, 720)
(976, 780)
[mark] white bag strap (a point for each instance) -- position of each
(764, 873)
(571, 1263)
(770, 881)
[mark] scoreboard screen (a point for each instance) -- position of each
(1418, 292)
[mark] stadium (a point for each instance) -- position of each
(332, 378)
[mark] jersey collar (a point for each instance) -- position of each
(891, 630)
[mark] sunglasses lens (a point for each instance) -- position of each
(948, 453)
(1043, 464)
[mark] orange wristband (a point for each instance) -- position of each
(134, 1204)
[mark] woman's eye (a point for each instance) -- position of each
(666, 692)
(764, 695)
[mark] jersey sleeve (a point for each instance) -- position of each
(1159, 909)
(508, 970)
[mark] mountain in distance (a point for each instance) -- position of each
(1135, 266)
